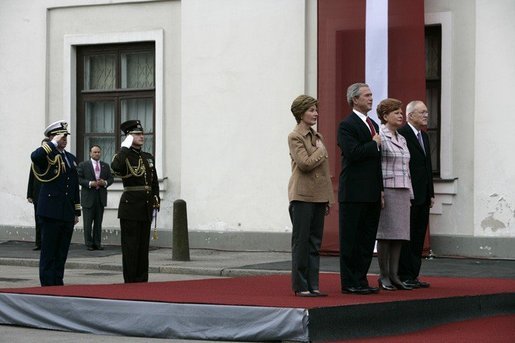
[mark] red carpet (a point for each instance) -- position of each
(218, 309)
(496, 329)
(270, 291)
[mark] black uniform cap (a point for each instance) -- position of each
(131, 126)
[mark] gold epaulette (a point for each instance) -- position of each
(56, 165)
(47, 147)
(137, 172)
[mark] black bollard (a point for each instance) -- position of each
(180, 244)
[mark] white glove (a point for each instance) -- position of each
(127, 142)
(57, 138)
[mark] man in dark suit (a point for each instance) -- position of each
(94, 178)
(139, 200)
(58, 203)
(33, 188)
(422, 182)
(360, 191)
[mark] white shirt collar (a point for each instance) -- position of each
(360, 115)
(415, 131)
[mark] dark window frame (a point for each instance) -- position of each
(434, 86)
(117, 95)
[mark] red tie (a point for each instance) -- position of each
(371, 126)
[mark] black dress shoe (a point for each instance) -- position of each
(356, 290)
(423, 284)
(372, 289)
(99, 248)
(411, 283)
(402, 286)
(318, 293)
(91, 248)
(386, 287)
(36, 248)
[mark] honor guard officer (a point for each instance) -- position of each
(140, 197)
(58, 203)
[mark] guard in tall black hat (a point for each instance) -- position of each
(139, 202)
(58, 203)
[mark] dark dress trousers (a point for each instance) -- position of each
(93, 201)
(33, 188)
(310, 190)
(139, 198)
(423, 190)
(58, 205)
(359, 197)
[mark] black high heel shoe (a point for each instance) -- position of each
(318, 293)
(385, 287)
(306, 294)
(402, 286)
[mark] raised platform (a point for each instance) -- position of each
(258, 308)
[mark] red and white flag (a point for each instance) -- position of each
(380, 42)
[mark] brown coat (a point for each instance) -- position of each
(310, 180)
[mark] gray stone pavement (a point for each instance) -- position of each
(105, 266)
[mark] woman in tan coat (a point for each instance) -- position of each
(310, 194)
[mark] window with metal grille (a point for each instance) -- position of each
(115, 83)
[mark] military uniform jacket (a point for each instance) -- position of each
(140, 194)
(59, 195)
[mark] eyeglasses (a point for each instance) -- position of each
(421, 112)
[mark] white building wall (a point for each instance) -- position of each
(475, 214)
(22, 102)
(494, 180)
(243, 64)
(453, 213)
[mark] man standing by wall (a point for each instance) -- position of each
(360, 191)
(139, 199)
(58, 203)
(422, 182)
(94, 177)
